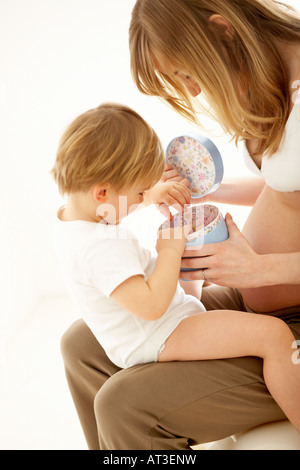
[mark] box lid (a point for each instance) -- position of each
(198, 159)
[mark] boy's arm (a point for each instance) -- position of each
(150, 299)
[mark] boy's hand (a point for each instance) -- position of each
(169, 194)
(174, 238)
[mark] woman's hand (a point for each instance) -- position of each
(232, 263)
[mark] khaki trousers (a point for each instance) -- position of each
(168, 406)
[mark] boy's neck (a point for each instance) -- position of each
(79, 207)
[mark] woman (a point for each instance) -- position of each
(243, 56)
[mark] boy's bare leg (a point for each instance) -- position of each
(222, 334)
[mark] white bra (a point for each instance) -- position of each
(281, 171)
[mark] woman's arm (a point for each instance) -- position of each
(150, 299)
(237, 191)
(283, 268)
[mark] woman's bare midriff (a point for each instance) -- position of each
(273, 226)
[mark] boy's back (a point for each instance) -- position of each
(95, 259)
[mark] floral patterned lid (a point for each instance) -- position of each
(196, 158)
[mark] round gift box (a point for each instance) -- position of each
(206, 222)
(198, 159)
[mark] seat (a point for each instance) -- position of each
(279, 435)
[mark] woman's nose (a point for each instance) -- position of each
(193, 88)
(197, 89)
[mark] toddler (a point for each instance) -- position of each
(108, 161)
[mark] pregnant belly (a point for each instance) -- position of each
(273, 226)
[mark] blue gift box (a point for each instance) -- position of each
(198, 159)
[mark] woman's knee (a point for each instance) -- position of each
(71, 344)
(119, 414)
(118, 397)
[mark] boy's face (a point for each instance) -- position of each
(120, 203)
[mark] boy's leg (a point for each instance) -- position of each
(224, 334)
(172, 406)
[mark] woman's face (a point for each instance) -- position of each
(189, 82)
(179, 74)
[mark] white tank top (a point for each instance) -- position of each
(281, 171)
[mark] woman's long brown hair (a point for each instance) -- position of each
(243, 78)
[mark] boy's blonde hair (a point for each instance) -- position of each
(243, 78)
(108, 144)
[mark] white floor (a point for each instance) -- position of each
(36, 409)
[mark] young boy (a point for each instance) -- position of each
(108, 160)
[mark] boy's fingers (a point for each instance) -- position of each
(187, 229)
(181, 193)
(165, 211)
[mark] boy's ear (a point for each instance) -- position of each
(100, 192)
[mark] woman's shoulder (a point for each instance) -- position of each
(282, 170)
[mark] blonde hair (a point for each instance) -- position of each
(108, 144)
(243, 78)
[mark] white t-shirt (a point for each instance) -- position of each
(95, 259)
(281, 171)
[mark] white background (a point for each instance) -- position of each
(59, 58)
